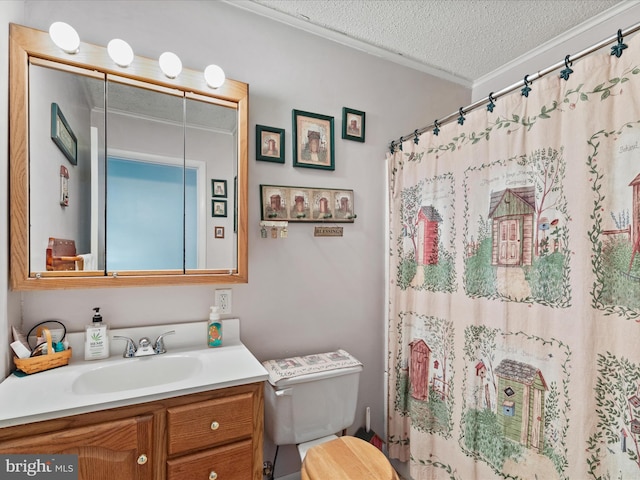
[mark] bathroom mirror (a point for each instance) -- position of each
(122, 176)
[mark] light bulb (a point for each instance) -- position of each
(120, 52)
(170, 64)
(65, 37)
(214, 76)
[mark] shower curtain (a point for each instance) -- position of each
(514, 297)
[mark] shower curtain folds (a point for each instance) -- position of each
(514, 283)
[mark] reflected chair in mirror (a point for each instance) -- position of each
(61, 255)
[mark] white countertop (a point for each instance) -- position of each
(49, 394)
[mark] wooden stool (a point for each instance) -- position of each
(346, 458)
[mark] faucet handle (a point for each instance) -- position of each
(130, 348)
(158, 347)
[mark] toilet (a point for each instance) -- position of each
(307, 401)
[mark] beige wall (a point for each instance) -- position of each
(305, 294)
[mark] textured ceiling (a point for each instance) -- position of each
(459, 39)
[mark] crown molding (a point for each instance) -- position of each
(521, 61)
(302, 24)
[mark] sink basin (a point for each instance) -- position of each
(136, 373)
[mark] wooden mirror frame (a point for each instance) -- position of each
(26, 43)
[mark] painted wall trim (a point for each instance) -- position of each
(520, 63)
(342, 39)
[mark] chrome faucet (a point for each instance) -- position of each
(158, 347)
(129, 349)
(144, 347)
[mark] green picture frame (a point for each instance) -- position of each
(218, 188)
(270, 144)
(313, 140)
(62, 135)
(218, 208)
(353, 124)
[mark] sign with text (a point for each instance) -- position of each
(39, 467)
(327, 232)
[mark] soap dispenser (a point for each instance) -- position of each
(96, 339)
(215, 328)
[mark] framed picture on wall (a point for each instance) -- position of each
(62, 135)
(219, 188)
(218, 208)
(269, 143)
(306, 204)
(353, 124)
(218, 232)
(313, 143)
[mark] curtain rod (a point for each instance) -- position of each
(527, 80)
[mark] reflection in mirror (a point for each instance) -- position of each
(145, 179)
(210, 141)
(162, 155)
(61, 205)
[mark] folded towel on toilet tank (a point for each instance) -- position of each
(319, 362)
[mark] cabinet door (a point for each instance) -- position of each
(120, 449)
(230, 462)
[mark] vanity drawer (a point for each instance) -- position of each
(213, 422)
(229, 462)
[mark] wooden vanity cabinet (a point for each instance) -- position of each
(115, 449)
(212, 439)
(215, 435)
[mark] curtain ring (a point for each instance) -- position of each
(619, 47)
(564, 74)
(392, 147)
(526, 89)
(461, 118)
(436, 127)
(491, 103)
(400, 143)
(567, 61)
(416, 138)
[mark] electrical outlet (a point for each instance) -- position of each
(223, 300)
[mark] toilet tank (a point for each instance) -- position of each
(311, 406)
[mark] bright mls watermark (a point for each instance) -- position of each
(38, 467)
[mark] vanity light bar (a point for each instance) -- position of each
(67, 39)
(170, 64)
(120, 52)
(214, 76)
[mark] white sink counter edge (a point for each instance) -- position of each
(47, 395)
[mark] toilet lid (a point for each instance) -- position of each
(346, 458)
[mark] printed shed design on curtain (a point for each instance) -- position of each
(546, 380)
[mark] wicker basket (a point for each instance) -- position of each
(43, 362)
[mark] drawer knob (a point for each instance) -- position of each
(142, 459)
(215, 425)
(213, 475)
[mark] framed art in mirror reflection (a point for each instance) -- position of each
(62, 135)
